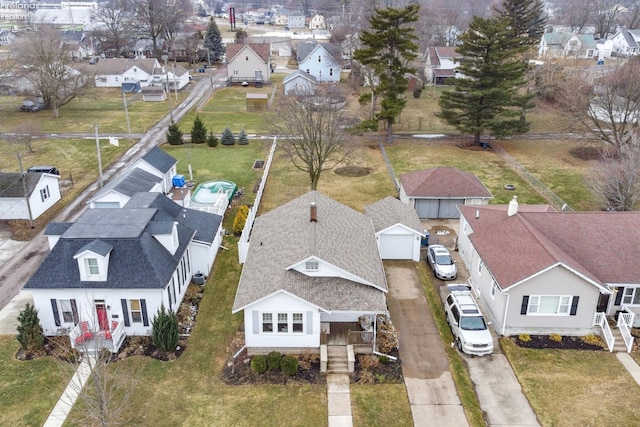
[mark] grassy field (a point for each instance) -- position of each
(105, 107)
(28, 390)
(575, 388)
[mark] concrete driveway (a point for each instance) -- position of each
(432, 393)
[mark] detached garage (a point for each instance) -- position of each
(398, 230)
(436, 193)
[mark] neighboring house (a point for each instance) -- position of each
(604, 48)
(27, 195)
(172, 77)
(118, 192)
(317, 22)
(108, 273)
(248, 63)
(112, 72)
(567, 45)
(626, 43)
(436, 193)
(157, 162)
(441, 63)
(296, 20)
(539, 271)
(6, 37)
(321, 60)
(299, 82)
(398, 229)
(312, 270)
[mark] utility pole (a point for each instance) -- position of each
(99, 158)
(166, 72)
(126, 112)
(25, 189)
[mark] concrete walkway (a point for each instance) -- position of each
(339, 400)
(425, 366)
(60, 412)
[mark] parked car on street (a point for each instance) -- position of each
(470, 331)
(441, 262)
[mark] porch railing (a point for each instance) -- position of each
(625, 322)
(91, 340)
(600, 319)
(359, 337)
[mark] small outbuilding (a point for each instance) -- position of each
(153, 94)
(436, 193)
(257, 102)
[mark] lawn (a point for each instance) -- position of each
(575, 388)
(28, 390)
(380, 405)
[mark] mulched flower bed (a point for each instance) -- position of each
(567, 343)
(379, 373)
(58, 347)
(244, 375)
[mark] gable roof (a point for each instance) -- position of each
(601, 246)
(117, 66)
(134, 181)
(390, 211)
(443, 182)
(299, 74)
(159, 159)
(437, 52)
(262, 50)
(341, 237)
(13, 184)
(306, 48)
(631, 37)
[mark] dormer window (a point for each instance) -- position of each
(312, 266)
(92, 266)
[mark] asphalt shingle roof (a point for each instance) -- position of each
(391, 211)
(11, 184)
(263, 50)
(443, 182)
(134, 181)
(341, 236)
(159, 159)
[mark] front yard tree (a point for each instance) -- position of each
(30, 334)
(174, 135)
(150, 16)
(164, 331)
(527, 20)
(45, 63)
(198, 132)
(116, 25)
(312, 135)
(487, 98)
(616, 179)
(388, 49)
(213, 42)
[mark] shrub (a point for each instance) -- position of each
(242, 138)
(387, 334)
(417, 92)
(592, 339)
(227, 137)
(306, 359)
(366, 377)
(30, 335)
(384, 359)
(555, 337)
(273, 360)
(368, 361)
(259, 364)
(198, 132)
(164, 330)
(524, 337)
(212, 140)
(240, 219)
(174, 135)
(289, 365)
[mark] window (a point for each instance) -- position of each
(267, 322)
(283, 323)
(297, 322)
(480, 265)
(235, 72)
(308, 71)
(319, 58)
(464, 228)
(549, 304)
(136, 311)
(311, 266)
(246, 58)
(92, 266)
(67, 311)
(631, 296)
(44, 193)
(494, 289)
(331, 71)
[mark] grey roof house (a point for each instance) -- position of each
(27, 195)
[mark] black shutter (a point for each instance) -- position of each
(125, 312)
(74, 309)
(574, 306)
(619, 295)
(56, 316)
(145, 318)
(525, 304)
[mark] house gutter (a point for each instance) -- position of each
(506, 309)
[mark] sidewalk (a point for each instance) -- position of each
(339, 400)
(60, 412)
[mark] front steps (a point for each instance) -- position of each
(337, 362)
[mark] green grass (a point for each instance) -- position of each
(380, 405)
(575, 388)
(28, 390)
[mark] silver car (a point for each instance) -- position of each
(441, 262)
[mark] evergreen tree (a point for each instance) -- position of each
(164, 330)
(388, 49)
(213, 41)
(527, 20)
(174, 135)
(227, 137)
(198, 132)
(212, 140)
(201, 11)
(487, 97)
(30, 335)
(242, 138)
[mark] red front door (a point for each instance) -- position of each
(101, 312)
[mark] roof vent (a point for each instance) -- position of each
(313, 213)
(513, 206)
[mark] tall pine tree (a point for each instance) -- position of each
(487, 96)
(198, 132)
(526, 18)
(213, 42)
(387, 49)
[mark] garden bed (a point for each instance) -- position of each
(566, 343)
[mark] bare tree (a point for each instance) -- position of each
(575, 13)
(605, 15)
(151, 19)
(115, 25)
(631, 17)
(24, 133)
(311, 132)
(608, 108)
(45, 62)
(616, 179)
(175, 13)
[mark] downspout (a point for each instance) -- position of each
(504, 320)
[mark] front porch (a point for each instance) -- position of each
(618, 338)
(86, 338)
(345, 333)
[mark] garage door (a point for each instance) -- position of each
(107, 205)
(448, 208)
(395, 246)
(427, 208)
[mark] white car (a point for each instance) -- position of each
(441, 262)
(467, 324)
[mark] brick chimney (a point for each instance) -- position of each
(513, 206)
(313, 213)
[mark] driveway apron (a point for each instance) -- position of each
(430, 388)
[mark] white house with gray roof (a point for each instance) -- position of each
(626, 42)
(27, 195)
(108, 273)
(312, 272)
(321, 60)
(398, 229)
